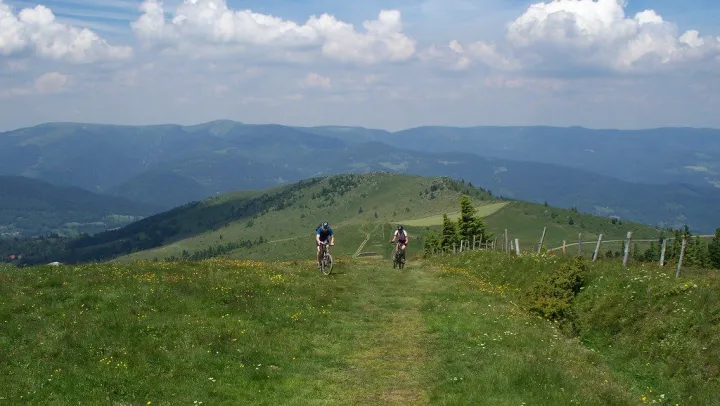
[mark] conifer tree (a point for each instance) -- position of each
(714, 250)
(449, 233)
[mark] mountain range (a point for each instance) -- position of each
(665, 177)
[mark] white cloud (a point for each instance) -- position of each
(567, 35)
(198, 24)
(53, 82)
(36, 30)
(314, 80)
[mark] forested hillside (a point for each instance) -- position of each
(30, 207)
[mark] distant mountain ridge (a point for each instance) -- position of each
(660, 155)
(170, 165)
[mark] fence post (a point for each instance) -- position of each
(542, 239)
(597, 247)
(564, 248)
(517, 247)
(454, 249)
(506, 241)
(494, 244)
(682, 254)
(579, 244)
(628, 241)
(662, 252)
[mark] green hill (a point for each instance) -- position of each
(30, 207)
(363, 210)
(279, 223)
(355, 205)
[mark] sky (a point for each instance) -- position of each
(393, 64)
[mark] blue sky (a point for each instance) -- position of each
(449, 62)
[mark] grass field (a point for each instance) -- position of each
(525, 221)
(440, 331)
(437, 220)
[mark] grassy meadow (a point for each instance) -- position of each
(444, 330)
(260, 325)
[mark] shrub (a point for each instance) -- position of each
(551, 296)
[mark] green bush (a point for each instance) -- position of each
(551, 296)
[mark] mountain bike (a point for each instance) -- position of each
(399, 258)
(326, 261)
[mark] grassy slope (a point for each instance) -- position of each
(392, 197)
(525, 221)
(658, 334)
(395, 198)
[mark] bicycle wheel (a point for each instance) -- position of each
(327, 264)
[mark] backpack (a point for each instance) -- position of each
(402, 235)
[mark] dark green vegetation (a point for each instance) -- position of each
(169, 165)
(31, 207)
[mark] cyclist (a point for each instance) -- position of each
(323, 233)
(402, 239)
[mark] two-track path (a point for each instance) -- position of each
(419, 336)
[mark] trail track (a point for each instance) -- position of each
(367, 238)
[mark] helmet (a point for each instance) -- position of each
(325, 225)
(400, 227)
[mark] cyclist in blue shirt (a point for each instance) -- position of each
(322, 235)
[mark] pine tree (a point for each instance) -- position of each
(651, 254)
(469, 225)
(449, 233)
(714, 250)
(703, 253)
(430, 243)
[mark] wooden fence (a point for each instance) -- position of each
(512, 245)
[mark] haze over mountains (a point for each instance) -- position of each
(594, 170)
